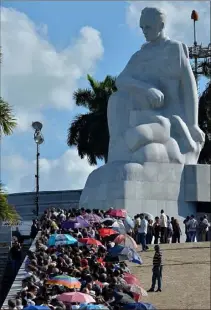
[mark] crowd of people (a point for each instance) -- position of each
(97, 274)
(104, 278)
(166, 230)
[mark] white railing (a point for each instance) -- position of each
(17, 284)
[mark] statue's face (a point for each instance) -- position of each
(151, 27)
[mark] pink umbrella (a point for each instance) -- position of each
(126, 240)
(76, 297)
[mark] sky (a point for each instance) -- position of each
(48, 48)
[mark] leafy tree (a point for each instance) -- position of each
(7, 124)
(7, 212)
(205, 124)
(89, 131)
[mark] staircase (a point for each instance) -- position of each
(4, 251)
(6, 271)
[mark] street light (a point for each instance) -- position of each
(39, 139)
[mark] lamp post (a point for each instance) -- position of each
(39, 139)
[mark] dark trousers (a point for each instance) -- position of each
(176, 237)
(142, 238)
(163, 238)
(148, 238)
(15, 266)
(157, 275)
(156, 238)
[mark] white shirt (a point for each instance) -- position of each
(205, 221)
(163, 220)
(143, 227)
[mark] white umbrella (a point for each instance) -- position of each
(119, 226)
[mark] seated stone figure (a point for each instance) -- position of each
(164, 64)
(152, 118)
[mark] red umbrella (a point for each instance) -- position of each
(105, 232)
(135, 285)
(131, 279)
(90, 241)
(118, 213)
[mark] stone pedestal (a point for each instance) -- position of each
(149, 188)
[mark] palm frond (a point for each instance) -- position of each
(83, 97)
(7, 119)
(7, 211)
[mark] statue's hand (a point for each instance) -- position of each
(156, 98)
(197, 134)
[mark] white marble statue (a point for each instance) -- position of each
(153, 117)
(154, 133)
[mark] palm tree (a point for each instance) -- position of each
(7, 211)
(89, 131)
(7, 120)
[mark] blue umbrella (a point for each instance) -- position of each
(134, 257)
(93, 307)
(131, 254)
(129, 222)
(117, 250)
(139, 306)
(37, 308)
(61, 239)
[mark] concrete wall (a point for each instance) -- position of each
(25, 202)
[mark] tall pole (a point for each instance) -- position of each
(38, 138)
(37, 180)
(195, 18)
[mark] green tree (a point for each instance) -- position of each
(89, 131)
(7, 212)
(7, 125)
(7, 120)
(205, 124)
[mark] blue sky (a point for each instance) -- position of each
(111, 38)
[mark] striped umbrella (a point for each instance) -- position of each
(64, 280)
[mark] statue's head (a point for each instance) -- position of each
(152, 23)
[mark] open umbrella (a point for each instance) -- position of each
(121, 250)
(61, 239)
(122, 298)
(37, 308)
(93, 307)
(76, 297)
(129, 223)
(131, 279)
(104, 232)
(68, 224)
(119, 227)
(126, 240)
(149, 216)
(64, 280)
(107, 221)
(90, 241)
(118, 213)
(82, 221)
(139, 306)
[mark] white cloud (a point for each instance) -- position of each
(67, 172)
(34, 75)
(179, 23)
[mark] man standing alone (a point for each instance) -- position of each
(157, 269)
(163, 227)
(142, 232)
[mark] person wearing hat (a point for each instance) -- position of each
(157, 269)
